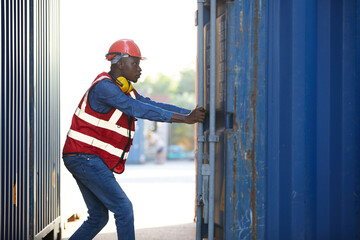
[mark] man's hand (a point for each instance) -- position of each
(196, 115)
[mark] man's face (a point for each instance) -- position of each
(130, 68)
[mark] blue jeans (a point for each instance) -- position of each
(101, 193)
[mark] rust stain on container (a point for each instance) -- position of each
(253, 103)
(15, 195)
(234, 193)
(247, 125)
(53, 179)
(235, 127)
(241, 22)
(236, 69)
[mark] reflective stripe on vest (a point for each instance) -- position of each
(96, 143)
(110, 125)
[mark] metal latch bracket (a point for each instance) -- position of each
(213, 138)
(201, 138)
(206, 171)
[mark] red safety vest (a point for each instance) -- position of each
(105, 135)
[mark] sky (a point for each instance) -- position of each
(164, 30)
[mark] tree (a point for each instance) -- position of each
(158, 84)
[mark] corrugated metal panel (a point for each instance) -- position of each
(314, 120)
(292, 156)
(46, 113)
(29, 144)
(14, 121)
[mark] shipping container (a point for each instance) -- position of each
(279, 154)
(29, 102)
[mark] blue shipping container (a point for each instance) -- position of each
(29, 133)
(287, 119)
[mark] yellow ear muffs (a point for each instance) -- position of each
(124, 84)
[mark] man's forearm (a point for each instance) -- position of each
(179, 118)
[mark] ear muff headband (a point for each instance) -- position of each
(124, 84)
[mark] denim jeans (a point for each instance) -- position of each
(101, 193)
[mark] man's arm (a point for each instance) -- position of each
(105, 94)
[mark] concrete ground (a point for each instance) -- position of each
(163, 198)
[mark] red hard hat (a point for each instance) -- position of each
(125, 46)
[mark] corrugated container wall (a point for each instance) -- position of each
(288, 119)
(29, 143)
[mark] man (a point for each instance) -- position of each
(100, 138)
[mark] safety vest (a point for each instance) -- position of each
(107, 135)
